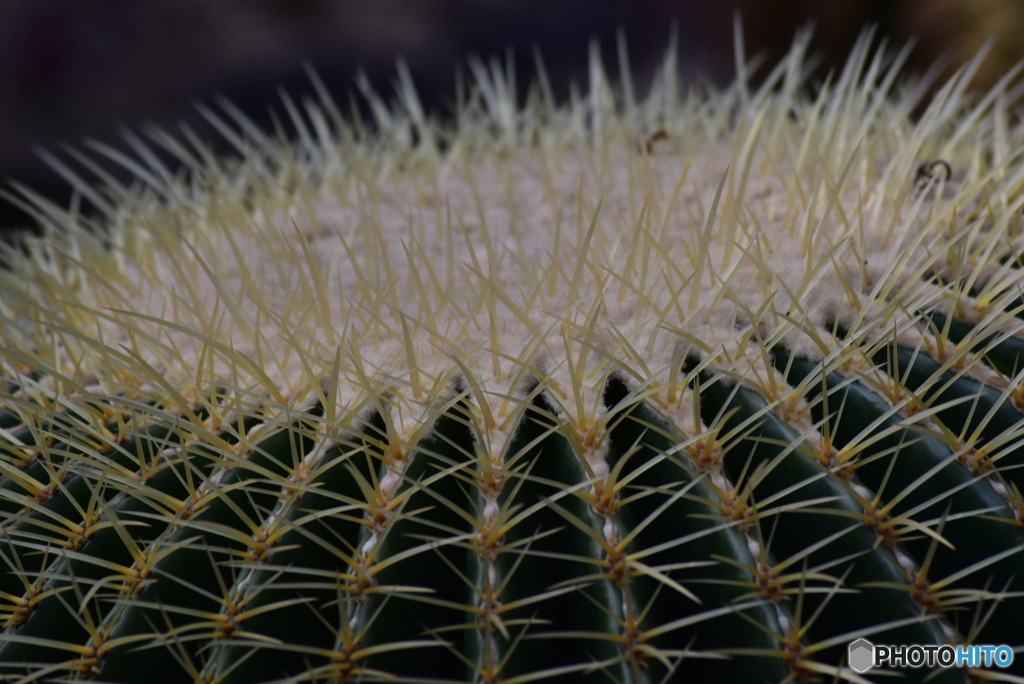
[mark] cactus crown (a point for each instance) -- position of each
(694, 383)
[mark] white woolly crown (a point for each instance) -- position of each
(530, 243)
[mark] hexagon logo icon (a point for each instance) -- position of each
(862, 655)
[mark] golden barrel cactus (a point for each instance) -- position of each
(677, 387)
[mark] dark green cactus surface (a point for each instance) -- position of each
(178, 544)
(695, 389)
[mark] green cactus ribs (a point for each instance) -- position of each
(231, 540)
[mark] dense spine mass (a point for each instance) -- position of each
(690, 386)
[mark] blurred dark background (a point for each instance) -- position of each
(71, 70)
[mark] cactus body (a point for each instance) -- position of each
(627, 390)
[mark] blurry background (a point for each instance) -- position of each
(71, 70)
